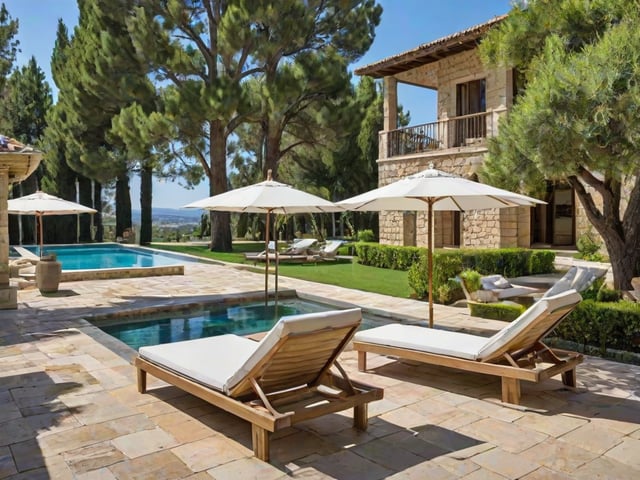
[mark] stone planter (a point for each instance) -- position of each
(48, 273)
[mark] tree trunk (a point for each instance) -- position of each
(123, 205)
(146, 194)
(220, 221)
(271, 153)
(97, 217)
(623, 264)
(620, 236)
(85, 196)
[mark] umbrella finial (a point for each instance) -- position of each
(269, 177)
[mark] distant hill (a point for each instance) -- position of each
(170, 215)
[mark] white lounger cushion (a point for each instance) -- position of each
(576, 278)
(422, 339)
(462, 345)
(209, 361)
(535, 312)
(221, 362)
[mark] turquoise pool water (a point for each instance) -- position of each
(240, 320)
(100, 256)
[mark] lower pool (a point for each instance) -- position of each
(108, 255)
(243, 319)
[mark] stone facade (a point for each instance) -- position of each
(493, 228)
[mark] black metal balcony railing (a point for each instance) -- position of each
(453, 132)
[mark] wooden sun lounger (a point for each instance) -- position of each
(282, 258)
(273, 384)
(515, 353)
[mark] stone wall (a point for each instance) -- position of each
(445, 74)
(494, 228)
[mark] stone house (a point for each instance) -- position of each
(470, 100)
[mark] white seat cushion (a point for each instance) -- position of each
(423, 339)
(514, 291)
(210, 361)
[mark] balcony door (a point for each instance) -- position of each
(470, 99)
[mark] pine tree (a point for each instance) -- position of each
(577, 119)
(8, 43)
(206, 51)
(59, 178)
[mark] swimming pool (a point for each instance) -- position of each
(109, 255)
(243, 319)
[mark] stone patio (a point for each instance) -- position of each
(71, 410)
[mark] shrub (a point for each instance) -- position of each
(366, 236)
(418, 279)
(589, 248)
(496, 311)
(541, 261)
(605, 325)
(387, 256)
(450, 291)
(446, 265)
(510, 262)
(471, 280)
(608, 295)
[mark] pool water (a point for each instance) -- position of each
(240, 320)
(93, 257)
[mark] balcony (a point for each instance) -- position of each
(463, 131)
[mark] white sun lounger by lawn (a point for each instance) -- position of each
(298, 251)
(514, 353)
(328, 250)
(284, 379)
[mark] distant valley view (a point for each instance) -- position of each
(172, 224)
(171, 216)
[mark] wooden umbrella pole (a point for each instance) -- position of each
(266, 263)
(275, 251)
(39, 219)
(430, 260)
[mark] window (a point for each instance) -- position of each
(470, 99)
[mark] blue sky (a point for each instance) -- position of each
(405, 24)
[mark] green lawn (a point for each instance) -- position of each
(343, 274)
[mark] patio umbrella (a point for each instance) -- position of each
(269, 197)
(41, 204)
(432, 190)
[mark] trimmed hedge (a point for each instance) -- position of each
(387, 256)
(604, 325)
(510, 262)
(496, 311)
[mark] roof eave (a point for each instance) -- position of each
(429, 52)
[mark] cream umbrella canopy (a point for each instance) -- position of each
(41, 204)
(431, 190)
(268, 197)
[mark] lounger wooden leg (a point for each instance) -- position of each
(362, 361)
(142, 381)
(511, 390)
(260, 438)
(361, 417)
(569, 378)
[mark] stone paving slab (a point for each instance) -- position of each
(70, 408)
